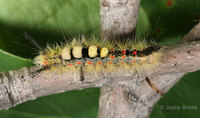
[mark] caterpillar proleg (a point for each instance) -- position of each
(101, 55)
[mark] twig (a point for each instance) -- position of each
(23, 85)
(118, 20)
(193, 34)
(119, 17)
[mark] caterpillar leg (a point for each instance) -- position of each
(154, 87)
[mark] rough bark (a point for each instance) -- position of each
(118, 17)
(193, 34)
(25, 84)
(131, 100)
(118, 20)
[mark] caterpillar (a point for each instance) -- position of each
(96, 55)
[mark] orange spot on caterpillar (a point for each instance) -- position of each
(89, 62)
(99, 62)
(135, 52)
(109, 62)
(69, 64)
(112, 57)
(78, 62)
(169, 3)
(45, 62)
(124, 52)
(122, 62)
(123, 57)
(112, 50)
(133, 61)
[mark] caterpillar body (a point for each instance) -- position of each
(101, 55)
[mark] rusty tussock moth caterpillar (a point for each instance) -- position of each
(96, 55)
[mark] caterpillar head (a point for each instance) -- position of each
(40, 60)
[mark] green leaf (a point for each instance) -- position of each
(12, 62)
(176, 19)
(143, 25)
(169, 24)
(181, 101)
(46, 21)
(74, 104)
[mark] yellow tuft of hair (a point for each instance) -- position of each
(92, 51)
(123, 46)
(77, 51)
(65, 53)
(39, 60)
(104, 52)
(138, 45)
(76, 42)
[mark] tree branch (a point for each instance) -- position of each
(118, 20)
(23, 85)
(193, 34)
(119, 17)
